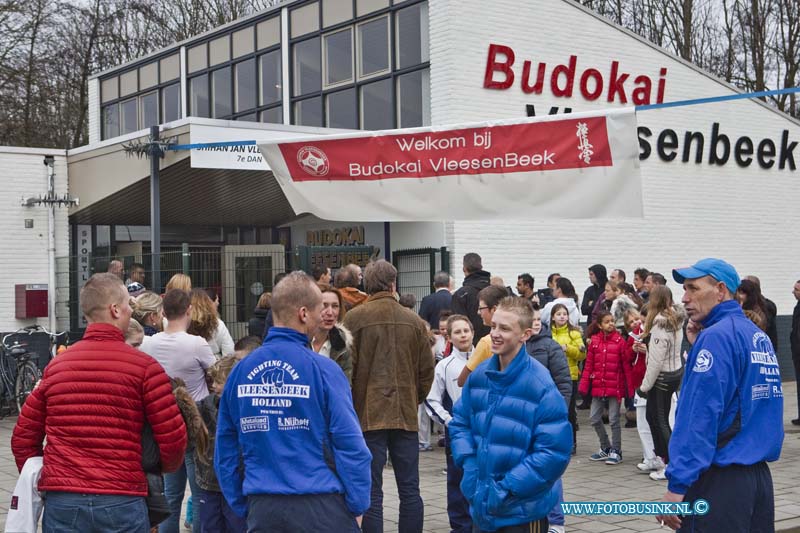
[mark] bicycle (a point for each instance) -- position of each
(23, 374)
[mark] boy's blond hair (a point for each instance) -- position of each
(521, 307)
(220, 370)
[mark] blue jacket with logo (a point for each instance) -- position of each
(289, 412)
(730, 409)
(511, 436)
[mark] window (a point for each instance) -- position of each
(170, 68)
(376, 106)
(148, 76)
(341, 107)
(250, 117)
(198, 88)
(373, 47)
(197, 58)
(273, 115)
(304, 19)
(308, 112)
(268, 33)
(110, 115)
(307, 68)
(412, 35)
(171, 102)
(245, 85)
(336, 11)
(128, 83)
(109, 89)
(219, 50)
(413, 99)
(128, 113)
(243, 42)
(221, 92)
(148, 107)
(368, 6)
(270, 66)
(338, 58)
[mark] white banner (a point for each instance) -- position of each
(570, 166)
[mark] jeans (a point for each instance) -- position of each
(457, 504)
(556, 516)
(279, 513)
(659, 403)
(90, 513)
(596, 419)
(403, 449)
(215, 515)
(174, 489)
(648, 448)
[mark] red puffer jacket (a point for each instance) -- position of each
(91, 405)
(607, 367)
(638, 365)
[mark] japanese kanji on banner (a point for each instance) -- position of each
(570, 166)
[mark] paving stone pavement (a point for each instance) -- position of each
(583, 481)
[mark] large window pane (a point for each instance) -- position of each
(245, 85)
(308, 112)
(376, 106)
(412, 35)
(171, 102)
(336, 11)
(270, 65)
(307, 68)
(341, 108)
(148, 107)
(129, 116)
(373, 47)
(304, 19)
(221, 92)
(273, 115)
(110, 121)
(413, 99)
(339, 57)
(198, 88)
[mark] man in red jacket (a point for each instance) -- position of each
(91, 405)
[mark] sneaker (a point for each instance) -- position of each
(651, 465)
(659, 475)
(601, 455)
(614, 457)
(425, 447)
(556, 529)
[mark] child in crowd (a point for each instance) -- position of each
(443, 346)
(213, 510)
(638, 367)
(617, 303)
(423, 420)
(570, 338)
(245, 345)
(443, 395)
(135, 334)
(607, 374)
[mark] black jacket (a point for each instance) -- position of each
(433, 304)
(549, 353)
(794, 337)
(256, 325)
(465, 302)
(772, 326)
(592, 293)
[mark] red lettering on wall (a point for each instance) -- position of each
(595, 93)
(569, 72)
(527, 88)
(493, 65)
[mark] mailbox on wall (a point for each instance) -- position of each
(31, 300)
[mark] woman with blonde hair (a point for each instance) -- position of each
(179, 281)
(207, 324)
(332, 339)
(148, 310)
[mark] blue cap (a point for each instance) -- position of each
(716, 268)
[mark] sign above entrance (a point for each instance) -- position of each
(583, 166)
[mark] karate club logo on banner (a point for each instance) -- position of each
(313, 161)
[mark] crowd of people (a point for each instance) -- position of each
(290, 428)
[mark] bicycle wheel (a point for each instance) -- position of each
(27, 377)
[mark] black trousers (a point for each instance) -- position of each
(539, 526)
(659, 402)
(573, 413)
(740, 500)
(306, 513)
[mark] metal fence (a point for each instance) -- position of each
(416, 269)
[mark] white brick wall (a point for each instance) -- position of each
(94, 111)
(24, 254)
(747, 215)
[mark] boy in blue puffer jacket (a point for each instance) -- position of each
(510, 432)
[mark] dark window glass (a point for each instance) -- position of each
(412, 36)
(270, 65)
(171, 102)
(341, 107)
(110, 121)
(307, 67)
(199, 96)
(148, 105)
(376, 106)
(245, 85)
(373, 47)
(221, 92)
(250, 117)
(339, 57)
(308, 112)
(274, 115)
(413, 99)
(129, 112)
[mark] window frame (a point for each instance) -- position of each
(390, 48)
(325, 84)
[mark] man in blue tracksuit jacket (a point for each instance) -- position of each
(290, 454)
(729, 421)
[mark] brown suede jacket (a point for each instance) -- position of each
(352, 297)
(392, 363)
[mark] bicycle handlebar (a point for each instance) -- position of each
(33, 328)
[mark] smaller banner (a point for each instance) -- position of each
(583, 166)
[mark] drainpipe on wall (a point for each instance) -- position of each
(51, 242)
